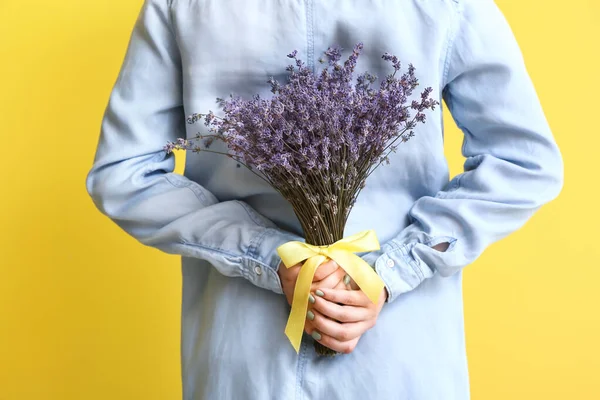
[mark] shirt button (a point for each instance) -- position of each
(390, 263)
(258, 270)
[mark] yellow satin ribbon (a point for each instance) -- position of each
(342, 252)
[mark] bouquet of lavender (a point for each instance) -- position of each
(319, 137)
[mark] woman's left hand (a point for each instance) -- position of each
(342, 316)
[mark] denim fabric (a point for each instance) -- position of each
(225, 223)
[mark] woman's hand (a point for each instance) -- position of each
(340, 317)
(328, 275)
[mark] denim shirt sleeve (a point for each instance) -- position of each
(132, 180)
(513, 165)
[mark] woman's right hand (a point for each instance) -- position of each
(328, 275)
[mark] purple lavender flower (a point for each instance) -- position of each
(320, 136)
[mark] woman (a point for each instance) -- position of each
(226, 224)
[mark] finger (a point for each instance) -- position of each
(346, 297)
(308, 327)
(330, 281)
(349, 283)
(341, 313)
(325, 269)
(342, 332)
(336, 345)
(341, 286)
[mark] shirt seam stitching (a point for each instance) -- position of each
(221, 252)
(410, 260)
(252, 250)
(450, 43)
(406, 258)
(310, 44)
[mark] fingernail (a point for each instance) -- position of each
(311, 298)
(347, 280)
(316, 335)
(319, 293)
(310, 315)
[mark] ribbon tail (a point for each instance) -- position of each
(295, 325)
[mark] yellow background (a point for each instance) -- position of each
(88, 313)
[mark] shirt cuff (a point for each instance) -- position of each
(262, 260)
(397, 268)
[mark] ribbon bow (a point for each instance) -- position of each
(342, 252)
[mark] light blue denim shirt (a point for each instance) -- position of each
(226, 223)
